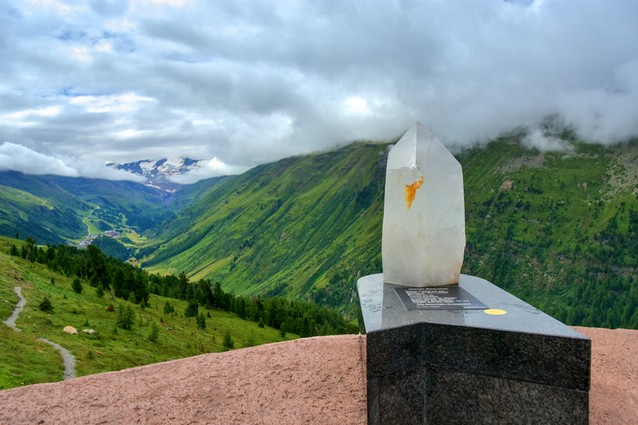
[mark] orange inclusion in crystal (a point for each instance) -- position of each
(410, 191)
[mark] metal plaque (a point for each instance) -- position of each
(438, 298)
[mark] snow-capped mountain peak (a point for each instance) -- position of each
(158, 171)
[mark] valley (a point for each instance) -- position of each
(557, 229)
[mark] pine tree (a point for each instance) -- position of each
(76, 285)
(218, 296)
(228, 342)
(183, 285)
(97, 268)
(192, 309)
(154, 332)
(117, 282)
(125, 316)
(201, 321)
(168, 308)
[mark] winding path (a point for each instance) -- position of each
(11, 321)
(67, 358)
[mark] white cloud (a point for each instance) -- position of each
(20, 158)
(99, 170)
(48, 111)
(177, 3)
(356, 105)
(54, 5)
(211, 168)
(252, 81)
(536, 138)
(130, 134)
(126, 102)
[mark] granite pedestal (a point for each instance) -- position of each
(465, 366)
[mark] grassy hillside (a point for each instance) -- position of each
(301, 226)
(558, 229)
(28, 215)
(25, 360)
(54, 209)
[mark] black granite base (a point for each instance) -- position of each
(466, 366)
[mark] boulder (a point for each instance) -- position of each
(70, 330)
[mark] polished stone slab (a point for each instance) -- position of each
(451, 297)
(382, 309)
(507, 363)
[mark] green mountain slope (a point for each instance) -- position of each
(67, 209)
(560, 230)
(28, 215)
(556, 229)
(300, 226)
(26, 360)
(119, 203)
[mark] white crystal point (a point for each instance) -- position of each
(424, 216)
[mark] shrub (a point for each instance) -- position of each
(125, 316)
(154, 332)
(228, 342)
(201, 321)
(46, 305)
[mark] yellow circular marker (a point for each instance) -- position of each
(495, 311)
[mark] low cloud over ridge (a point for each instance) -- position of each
(20, 158)
(251, 82)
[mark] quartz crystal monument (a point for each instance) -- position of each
(424, 216)
(446, 348)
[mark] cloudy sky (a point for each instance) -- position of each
(240, 83)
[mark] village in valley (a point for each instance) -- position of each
(93, 236)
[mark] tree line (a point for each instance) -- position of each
(132, 283)
(300, 317)
(580, 279)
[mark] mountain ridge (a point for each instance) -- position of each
(158, 172)
(324, 202)
(76, 206)
(558, 229)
